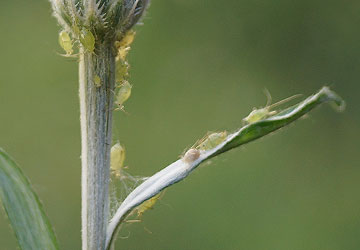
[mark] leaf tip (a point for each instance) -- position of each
(338, 102)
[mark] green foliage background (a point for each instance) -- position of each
(200, 66)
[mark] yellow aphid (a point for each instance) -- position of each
(128, 39)
(117, 158)
(87, 39)
(76, 30)
(263, 113)
(212, 140)
(97, 81)
(66, 42)
(191, 155)
(123, 46)
(123, 94)
(146, 205)
(258, 114)
(122, 53)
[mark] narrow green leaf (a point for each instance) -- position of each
(181, 168)
(32, 227)
(263, 127)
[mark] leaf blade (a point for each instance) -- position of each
(263, 127)
(180, 169)
(23, 207)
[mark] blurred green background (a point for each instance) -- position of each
(198, 66)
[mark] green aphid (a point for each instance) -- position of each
(263, 113)
(66, 42)
(121, 71)
(123, 94)
(149, 204)
(97, 81)
(87, 39)
(76, 30)
(212, 140)
(117, 158)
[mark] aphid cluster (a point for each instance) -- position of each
(123, 46)
(84, 37)
(263, 113)
(210, 141)
(122, 69)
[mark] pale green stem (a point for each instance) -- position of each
(96, 105)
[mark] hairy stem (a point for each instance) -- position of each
(96, 104)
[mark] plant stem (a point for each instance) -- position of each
(96, 104)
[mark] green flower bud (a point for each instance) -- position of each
(106, 20)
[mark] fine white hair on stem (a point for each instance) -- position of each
(132, 10)
(74, 12)
(59, 12)
(181, 168)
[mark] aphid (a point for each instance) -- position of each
(128, 39)
(212, 140)
(123, 94)
(76, 30)
(122, 53)
(121, 71)
(97, 81)
(191, 155)
(123, 46)
(117, 158)
(87, 39)
(263, 113)
(149, 204)
(66, 42)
